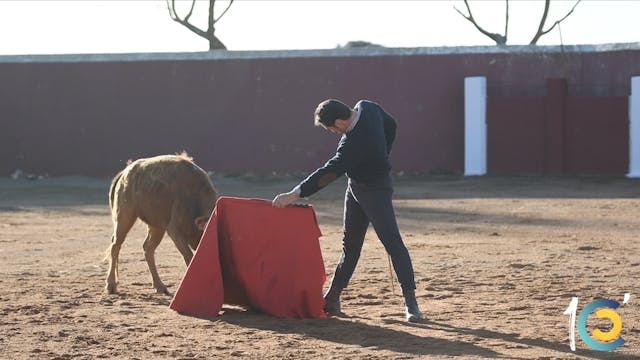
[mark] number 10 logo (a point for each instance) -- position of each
(598, 340)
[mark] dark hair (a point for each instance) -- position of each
(331, 110)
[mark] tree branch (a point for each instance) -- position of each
(224, 12)
(506, 20)
(209, 34)
(499, 39)
(171, 5)
(541, 32)
(542, 21)
(193, 4)
(561, 20)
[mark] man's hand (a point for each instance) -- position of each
(285, 199)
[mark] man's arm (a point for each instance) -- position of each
(389, 130)
(309, 186)
(332, 169)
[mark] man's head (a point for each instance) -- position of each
(333, 115)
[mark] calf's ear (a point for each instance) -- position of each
(201, 222)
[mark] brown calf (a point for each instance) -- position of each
(170, 194)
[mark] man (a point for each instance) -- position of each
(363, 154)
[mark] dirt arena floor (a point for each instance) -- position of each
(497, 261)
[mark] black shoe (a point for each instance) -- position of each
(332, 306)
(411, 309)
(332, 302)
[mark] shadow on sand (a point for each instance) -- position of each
(350, 332)
(562, 347)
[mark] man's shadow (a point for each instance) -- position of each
(344, 331)
(349, 331)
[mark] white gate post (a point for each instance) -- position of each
(475, 125)
(634, 128)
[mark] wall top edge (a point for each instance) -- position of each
(339, 52)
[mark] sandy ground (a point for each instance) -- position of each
(497, 261)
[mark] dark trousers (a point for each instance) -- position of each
(364, 204)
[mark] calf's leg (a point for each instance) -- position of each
(154, 236)
(122, 225)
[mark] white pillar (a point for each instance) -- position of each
(634, 128)
(475, 125)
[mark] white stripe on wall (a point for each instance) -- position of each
(475, 125)
(634, 128)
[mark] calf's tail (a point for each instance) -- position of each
(112, 188)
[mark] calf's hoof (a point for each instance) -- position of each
(162, 290)
(110, 289)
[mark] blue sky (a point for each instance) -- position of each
(112, 26)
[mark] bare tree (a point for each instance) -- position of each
(500, 39)
(540, 31)
(209, 34)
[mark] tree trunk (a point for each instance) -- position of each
(215, 43)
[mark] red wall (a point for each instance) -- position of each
(597, 135)
(515, 135)
(252, 112)
(557, 134)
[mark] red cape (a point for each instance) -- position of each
(269, 259)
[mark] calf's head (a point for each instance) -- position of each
(199, 224)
